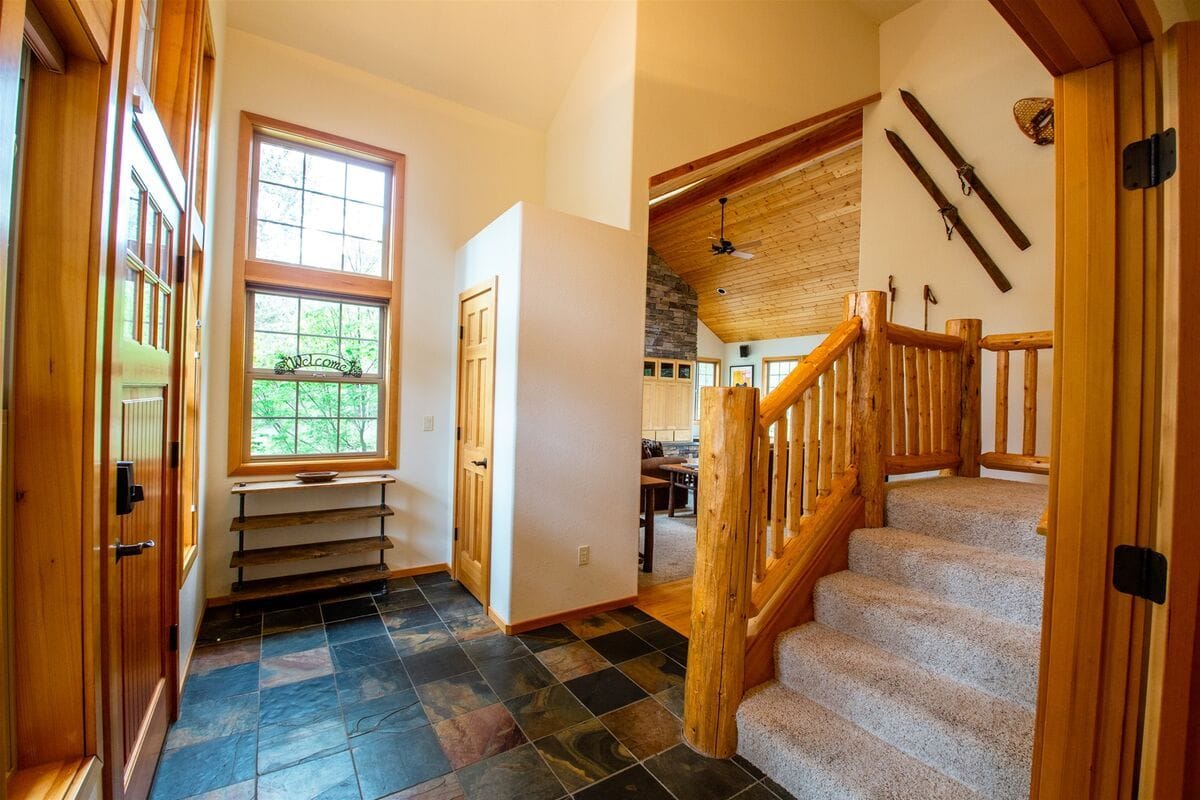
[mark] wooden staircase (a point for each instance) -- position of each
(874, 400)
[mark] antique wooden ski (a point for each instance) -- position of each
(966, 172)
(949, 212)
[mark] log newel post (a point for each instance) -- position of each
(721, 583)
(970, 331)
(870, 418)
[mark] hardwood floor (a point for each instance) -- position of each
(669, 603)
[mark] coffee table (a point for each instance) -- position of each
(683, 476)
(649, 484)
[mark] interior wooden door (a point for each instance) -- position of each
(140, 561)
(1171, 740)
(473, 477)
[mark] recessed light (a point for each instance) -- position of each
(720, 291)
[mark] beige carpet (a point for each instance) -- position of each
(674, 549)
(918, 678)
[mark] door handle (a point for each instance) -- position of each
(128, 492)
(124, 550)
(480, 463)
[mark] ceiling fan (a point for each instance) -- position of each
(724, 247)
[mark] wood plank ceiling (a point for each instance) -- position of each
(808, 222)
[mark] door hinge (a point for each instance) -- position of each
(458, 432)
(460, 331)
(1141, 572)
(173, 638)
(173, 455)
(456, 534)
(1149, 162)
(180, 269)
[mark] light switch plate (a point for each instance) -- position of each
(428, 424)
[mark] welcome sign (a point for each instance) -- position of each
(349, 367)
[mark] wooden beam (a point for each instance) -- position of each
(809, 147)
(759, 141)
(1067, 35)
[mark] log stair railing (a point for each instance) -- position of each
(786, 478)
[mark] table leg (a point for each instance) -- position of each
(671, 497)
(648, 554)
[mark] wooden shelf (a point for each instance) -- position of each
(304, 552)
(310, 582)
(262, 487)
(261, 521)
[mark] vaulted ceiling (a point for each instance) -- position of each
(513, 60)
(807, 220)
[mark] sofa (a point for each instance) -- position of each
(653, 462)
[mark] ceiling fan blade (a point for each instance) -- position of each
(750, 245)
(741, 254)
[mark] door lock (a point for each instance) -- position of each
(124, 550)
(128, 492)
(480, 463)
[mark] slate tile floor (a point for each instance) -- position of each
(413, 693)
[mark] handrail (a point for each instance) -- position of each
(902, 334)
(787, 477)
(792, 388)
(1028, 460)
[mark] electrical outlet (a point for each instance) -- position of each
(428, 423)
(585, 556)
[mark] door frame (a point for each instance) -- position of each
(491, 285)
(1111, 450)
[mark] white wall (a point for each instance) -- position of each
(767, 348)
(568, 408)
(708, 345)
(967, 67)
(589, 145)
(495, 252)
(463, 168)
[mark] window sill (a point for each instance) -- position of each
(310, 465)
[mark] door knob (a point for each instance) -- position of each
(480, 463)
(124, 550)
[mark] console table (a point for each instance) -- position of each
(646, 521)
(686, 477)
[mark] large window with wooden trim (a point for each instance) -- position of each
(315, 351)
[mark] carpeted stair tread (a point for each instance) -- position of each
(983, 651)
(984, 512)
(817, 755)
(980, 740)
(1005, 585)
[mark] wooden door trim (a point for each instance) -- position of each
(1172, 727)
(491, 285)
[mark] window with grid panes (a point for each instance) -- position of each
(775, 370)
(321, 291)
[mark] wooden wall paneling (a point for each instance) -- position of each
(816, 144)
(1169, 766)
(1105, 385)
(808, 223)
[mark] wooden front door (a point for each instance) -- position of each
(473, 477)
(140, 563)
